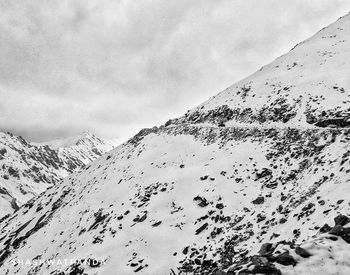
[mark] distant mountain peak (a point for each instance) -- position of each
(86, 136)
(27, 169)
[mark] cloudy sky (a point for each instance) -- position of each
(116, 66)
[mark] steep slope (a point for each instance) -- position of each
(265, 161)
(28, 169)
(306, 87)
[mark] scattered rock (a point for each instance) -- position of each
(302, 252)
(346, 235)
(202, 228)
(266, 249)
(259, 200)
(325, 228)
(202, 202)
(157, 224)
(264, 173)
(337, 230)
(341, 220)
(254, 265)
(260, 217)
(283, 220)
(285, 259)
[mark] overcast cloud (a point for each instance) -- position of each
(114, 67)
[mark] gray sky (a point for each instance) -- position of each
(114, 67)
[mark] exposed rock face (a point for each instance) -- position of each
(254, 165)
(27, 169)
(303, 260)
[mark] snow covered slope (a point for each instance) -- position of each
(242, 184)
(307, 86)
(28, 169)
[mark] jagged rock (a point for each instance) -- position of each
(76, 269)
(260, 218)
(185, 250)
(346, 234)
(157, 224)
(139, 268)
(202, 228)
(259, 200)
(264, 173)
(337, 230)
(94, 263)
(266, 249)
(308, 207)
(283, 220)
(99, 217)
(221, 124)
(333, 238)
(341, 220)
(325, 228)
(202, 202)
(143, 218)
(321, 202)
(335, 122)
(14, 204)
(285, 259)
(302, 252)
(255, 265)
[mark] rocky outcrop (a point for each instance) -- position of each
(282, 253)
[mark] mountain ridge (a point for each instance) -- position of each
(29, 168)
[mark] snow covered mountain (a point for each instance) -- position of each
(27, 169)
(242, 184)
(87, 146)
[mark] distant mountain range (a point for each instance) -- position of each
(27, 169)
